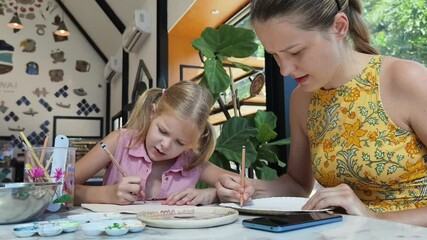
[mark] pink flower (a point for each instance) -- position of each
(36, 172)
(58, 174)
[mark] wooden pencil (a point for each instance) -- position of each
(242, 173)
(113, 159)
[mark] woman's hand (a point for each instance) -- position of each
(127, 191)
(340, 196)
(192, 196)
(228, 189)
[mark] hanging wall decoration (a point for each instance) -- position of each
(43, 92)
(80, 92)
(57, 56)
(29, 45)
(63, 105)
(40, 29)
(30, 112)
(62, 92)
(16, 129)
(85, 108)
(56, 75)
(6, 54)
(3, 107)
(45, 104)
(82, 66)
(25, 8)
(32, 68)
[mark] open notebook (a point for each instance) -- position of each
(130, 209)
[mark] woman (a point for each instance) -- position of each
(357, 118)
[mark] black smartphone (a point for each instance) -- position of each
(290, 222)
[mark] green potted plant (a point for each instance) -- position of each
(256, 132)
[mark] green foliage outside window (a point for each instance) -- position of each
(398, 28)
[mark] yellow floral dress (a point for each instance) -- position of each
(353, 141)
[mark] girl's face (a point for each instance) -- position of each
(310, 57)
(168, 136)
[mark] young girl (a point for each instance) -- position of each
(357, 118)
(163, 150)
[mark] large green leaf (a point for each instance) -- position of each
(229, 41)
(220, 161)
(267, 155)
(265, 122)
(266, 173)
(280, 142)
(216, 77)
(236, 133)
(236, 42)
(201, 45)
(263, 117)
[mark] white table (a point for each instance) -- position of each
(352, 227)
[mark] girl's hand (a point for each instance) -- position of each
(340, 196)
(128, 190)
(228, 189)
(192, 196)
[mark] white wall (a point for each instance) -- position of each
(17, 83)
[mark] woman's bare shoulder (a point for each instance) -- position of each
(404, 74)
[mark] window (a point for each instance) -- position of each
(398, 28)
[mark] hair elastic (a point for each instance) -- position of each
(163, 90)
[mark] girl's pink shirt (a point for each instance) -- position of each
(135, 162)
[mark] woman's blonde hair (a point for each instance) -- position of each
(187, 100)
(318, 14)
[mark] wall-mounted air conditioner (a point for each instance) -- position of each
(113, 69)
(136, 33)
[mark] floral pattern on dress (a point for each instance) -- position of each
(353, 141)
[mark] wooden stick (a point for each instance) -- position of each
(30, 148)
(242, 173)
(113, 159)
(43, 154)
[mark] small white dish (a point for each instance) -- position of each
(24, 230)
(134, 225)
(49, 230)
(93, 228)
(69, 225)
(117, 229)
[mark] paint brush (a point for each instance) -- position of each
(30, 148)
(43, 154)
(242, 173)
(113, 159)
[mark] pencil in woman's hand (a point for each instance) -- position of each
(113, 159)
(242, 173)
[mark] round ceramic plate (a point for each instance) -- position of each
(196, 217)
(273, 206)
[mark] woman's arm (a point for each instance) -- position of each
(407, 81)
(298, 181)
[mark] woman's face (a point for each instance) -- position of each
(168, 136)
(310, 57)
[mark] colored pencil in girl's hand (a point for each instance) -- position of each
(242, 173)
(113, 159)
